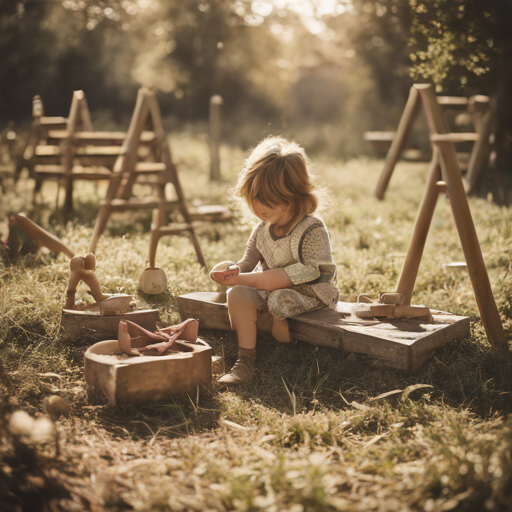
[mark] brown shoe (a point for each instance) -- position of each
(243, 370)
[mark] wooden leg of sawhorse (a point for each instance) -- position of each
(410, 112)
(101, 223)
(471, 247)
(155, 238)
(68, 195)
(412, 261)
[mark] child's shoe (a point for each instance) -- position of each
(243, 370)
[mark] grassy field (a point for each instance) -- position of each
(301, 436)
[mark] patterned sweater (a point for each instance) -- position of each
(304, 253)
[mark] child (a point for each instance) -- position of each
(290, 244)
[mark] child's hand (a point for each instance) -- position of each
(225, 273)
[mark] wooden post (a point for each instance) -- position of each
(404, 127)
(412, 261)
(85, 115)
(68, 150)
(464, 222)
(215, 129)
(37, 107)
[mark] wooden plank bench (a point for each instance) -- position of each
(97, 138)
(403, 344)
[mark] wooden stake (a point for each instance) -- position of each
(404, 127)
(215, 129)
(68, 150)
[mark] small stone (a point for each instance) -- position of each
(56, 406)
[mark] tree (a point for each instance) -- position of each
(462, 46)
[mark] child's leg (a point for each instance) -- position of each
(285, 303)
(243, 306)
(244, 303)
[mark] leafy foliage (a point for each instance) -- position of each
(452, 40)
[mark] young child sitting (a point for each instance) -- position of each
(290, 245)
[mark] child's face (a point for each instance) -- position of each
(278, 215)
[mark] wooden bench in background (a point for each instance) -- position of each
(477, 108)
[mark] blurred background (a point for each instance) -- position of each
(320, 71)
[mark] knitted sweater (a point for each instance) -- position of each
(304, 253)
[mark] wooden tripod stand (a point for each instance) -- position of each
(128, 171)
(445, 164)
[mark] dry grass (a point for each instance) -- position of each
(302, 435)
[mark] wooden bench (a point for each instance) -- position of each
(68, 149)
(405, 344)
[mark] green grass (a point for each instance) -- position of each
(302, 435)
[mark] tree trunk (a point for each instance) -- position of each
(499, 177)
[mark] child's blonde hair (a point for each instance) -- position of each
(275, 173)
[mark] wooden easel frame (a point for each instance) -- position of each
(483, 125)
(79, 117)
(445, 164)
(127, 169)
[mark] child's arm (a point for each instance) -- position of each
(269, 280)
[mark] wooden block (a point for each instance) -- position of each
(140, 380)
(382, 310)
(392, 298)
(411, 311)
(400, 343)
(89, 325)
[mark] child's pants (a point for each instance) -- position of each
(262, 306)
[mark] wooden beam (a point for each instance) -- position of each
(412, 261)
(404, 127)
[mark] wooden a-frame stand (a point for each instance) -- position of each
(445, 166)
(48, 161)
(403, 343)
(483, 118)
(128, 171)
